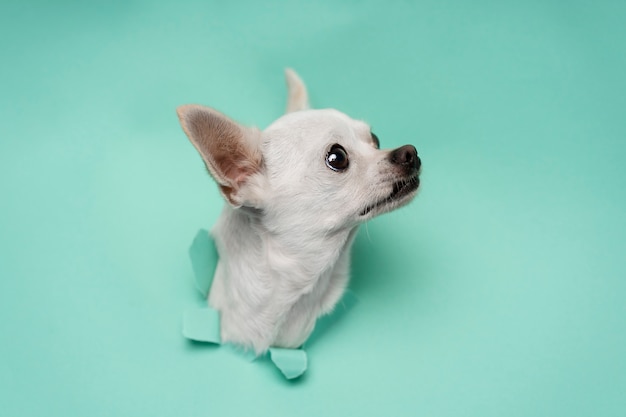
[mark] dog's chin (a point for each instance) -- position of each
(402, 193)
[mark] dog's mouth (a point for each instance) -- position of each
(401, 193)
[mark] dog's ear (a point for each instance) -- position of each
(297, 95)
(231, 152)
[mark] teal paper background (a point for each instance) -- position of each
(499, 292)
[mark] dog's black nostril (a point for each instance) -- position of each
(406, 156)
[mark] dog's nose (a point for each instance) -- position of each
(406, 156)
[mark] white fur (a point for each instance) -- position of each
(284, 237)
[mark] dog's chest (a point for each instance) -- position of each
(270, 288)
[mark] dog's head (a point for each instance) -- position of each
(310, 167)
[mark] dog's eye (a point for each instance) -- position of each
(375, 140)
(337, 158)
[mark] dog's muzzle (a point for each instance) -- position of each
(407, 164)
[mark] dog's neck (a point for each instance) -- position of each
(272, 282)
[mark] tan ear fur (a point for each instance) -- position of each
(230, 151)
(297, 95)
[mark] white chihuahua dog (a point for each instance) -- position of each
(296, 194)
